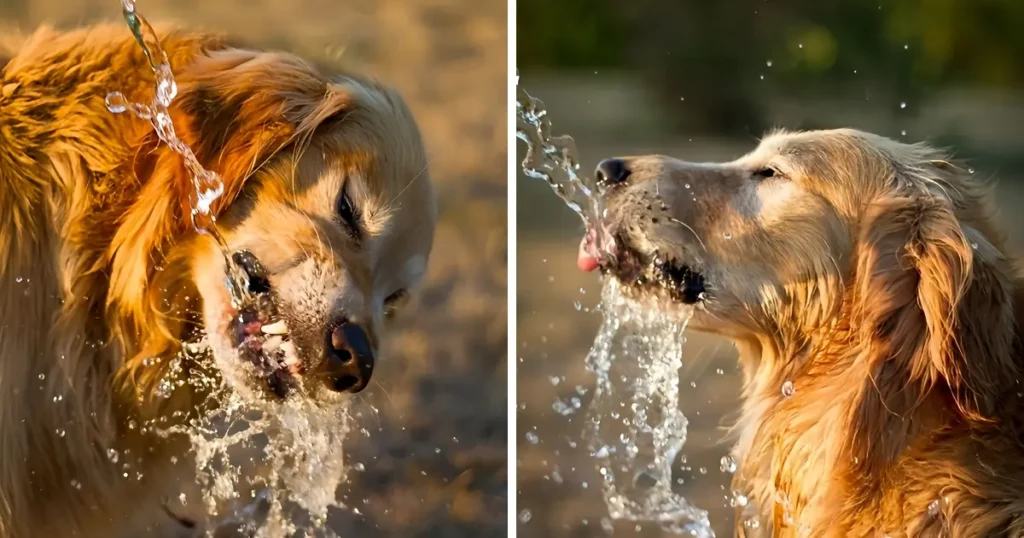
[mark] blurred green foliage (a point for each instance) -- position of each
(716, 52)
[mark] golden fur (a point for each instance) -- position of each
(872, 276)
(102, 276)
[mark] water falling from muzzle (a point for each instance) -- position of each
(635, 429)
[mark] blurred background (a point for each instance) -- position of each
(702, 80)
(435, 456)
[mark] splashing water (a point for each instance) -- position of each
(266, 468)
(634, 426)
(208, 185)
(554, 159)
(269, 468)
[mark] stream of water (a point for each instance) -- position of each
(634, 427)
(265, 468)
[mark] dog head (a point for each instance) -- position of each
(827, 238)
(327, 203)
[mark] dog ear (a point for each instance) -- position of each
(934, 324)
(235, 109)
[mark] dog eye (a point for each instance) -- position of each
(347, 212)
(765, 173)
(394, 302)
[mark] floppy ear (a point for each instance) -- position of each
(235, 109)
(933, 325)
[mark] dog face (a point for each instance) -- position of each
(328, 206)
(342, 234)
(774, 242)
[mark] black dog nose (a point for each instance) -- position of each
(349, 362)
(612, 171)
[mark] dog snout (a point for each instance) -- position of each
(349, 361)
(611, 172)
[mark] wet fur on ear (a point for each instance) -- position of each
(236, 109)
(934, 324)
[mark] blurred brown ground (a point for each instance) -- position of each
(435, 457)
(610, 113)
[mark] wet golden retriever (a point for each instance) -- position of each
(876, 309)
(102, 276)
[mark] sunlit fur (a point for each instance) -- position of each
(873, 276)
(102, 276)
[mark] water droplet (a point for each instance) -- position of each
(762, 77)
(116, 102)
(903, 105)
(720, 371)
(525, 516)
(532, 438)
(561, 408)
(788, 389)
(702, 470)
(933, 508)
(76, 484)
(112, 455)
(728, 464)
(738, 499)
(800, 45)
(768, 63)
(752, 523)
(906, 47)
(18, 279)
(61, 433)
(42, 377)
(577, 305)
(974, 246)
(903, 132)
(727, 235)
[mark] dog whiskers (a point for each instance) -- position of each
(687, 226)
(409, 184)
(388, 396)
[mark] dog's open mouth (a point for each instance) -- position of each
(260, 334)
(657, 275)
(648, 274)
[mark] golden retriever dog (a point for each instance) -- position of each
(102, 276)
(875, 307)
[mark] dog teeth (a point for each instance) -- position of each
(278, 327)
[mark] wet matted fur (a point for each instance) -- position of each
(102, 276)
(871, 275)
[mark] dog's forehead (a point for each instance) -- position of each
(786, 144)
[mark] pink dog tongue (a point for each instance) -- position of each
(587, 259)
